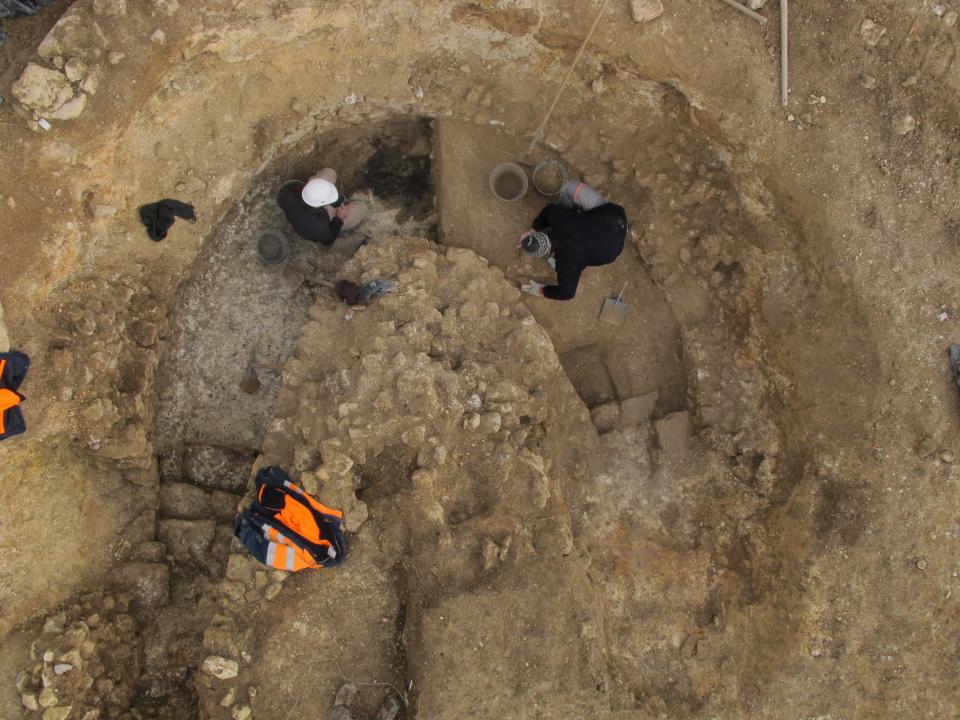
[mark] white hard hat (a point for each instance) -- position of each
(318, 193)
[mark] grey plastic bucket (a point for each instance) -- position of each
(508, 181)
(540, 185)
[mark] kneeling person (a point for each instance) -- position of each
(573, 235)
(317, 211)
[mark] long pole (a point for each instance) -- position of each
(539, 133)
(784, 54)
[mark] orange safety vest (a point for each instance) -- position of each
(287, 529)
(9, 399)
(296, 515)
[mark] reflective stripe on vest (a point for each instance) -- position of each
(284, 555)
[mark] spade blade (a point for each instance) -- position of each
(614, 310)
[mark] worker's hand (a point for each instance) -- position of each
(533, 288)
(552, 262)
(343, 212)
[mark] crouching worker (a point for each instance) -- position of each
(581, 230)
(317, 211)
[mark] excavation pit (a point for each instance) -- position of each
(671, 512)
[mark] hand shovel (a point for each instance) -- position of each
(250, 382)
(614, 310)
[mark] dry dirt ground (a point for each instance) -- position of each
(742, 503)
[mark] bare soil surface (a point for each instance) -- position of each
(740, 503)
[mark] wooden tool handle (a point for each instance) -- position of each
(566, 78)
(620, 296)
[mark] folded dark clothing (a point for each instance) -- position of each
(159, 216)
(20, 8)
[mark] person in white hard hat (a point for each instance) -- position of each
(316, 209)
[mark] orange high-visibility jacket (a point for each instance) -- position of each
(13, 369)
(287, 529)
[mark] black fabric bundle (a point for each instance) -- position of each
(159, 216)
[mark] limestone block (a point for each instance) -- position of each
(240, 569)
(903, 124)
(75, 33)
(646, 10)
(490, 422)
(75, 69)
(216, 468)
(92, 81)
(871, 32)
(637, 410)
(181, 500)
(220, 667)
(131, 443)
(41, 89)
(224, 505)
(187, 540)
(673, 434)
(57, 713)
(355, 513)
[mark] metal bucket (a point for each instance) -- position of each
(549, 177)
(508, 182)
(273, 249)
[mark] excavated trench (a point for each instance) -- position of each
(424, 178)
(231, 309)
(661, 449)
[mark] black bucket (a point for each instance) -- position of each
(273, 249)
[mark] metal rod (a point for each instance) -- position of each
(784, 54)
(746, 11)
(539, 133)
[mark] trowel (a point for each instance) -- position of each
(614, 310)
(250, 382)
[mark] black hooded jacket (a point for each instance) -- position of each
(580, 240)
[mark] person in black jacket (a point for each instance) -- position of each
(582, 230)
(316, 209)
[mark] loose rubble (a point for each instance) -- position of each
(86, 660)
